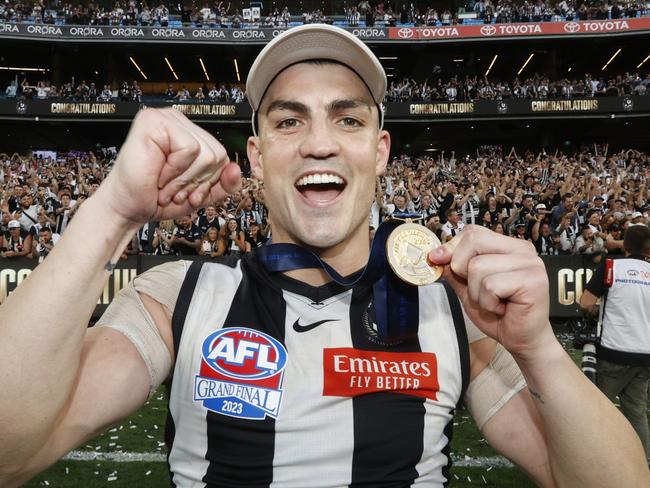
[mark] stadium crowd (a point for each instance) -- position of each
(222, 14)
(564, 203)
(407, 89)
(536, 86)
(128, 91)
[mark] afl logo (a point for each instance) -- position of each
(488, 30)
(21, 107)
(241, 373)
(632, 273)
(502, 108)
(571, 27)
(405, 33)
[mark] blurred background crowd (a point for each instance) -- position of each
(579, 203)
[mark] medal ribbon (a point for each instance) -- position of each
(396, 302)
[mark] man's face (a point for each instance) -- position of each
(453, 218)
(568, 203)
(528, 203)
(210, 212)
(25, 201)
(45, 235)
(318, 122)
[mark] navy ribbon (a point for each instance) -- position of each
(396, 302)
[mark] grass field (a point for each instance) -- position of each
(143, 433)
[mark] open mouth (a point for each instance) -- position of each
(320, 188)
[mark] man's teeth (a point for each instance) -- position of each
(319, 179)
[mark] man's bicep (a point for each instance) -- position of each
(112, 383)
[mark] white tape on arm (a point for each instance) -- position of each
(128, 315)
(494, 386)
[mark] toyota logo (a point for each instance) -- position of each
(488, 30)
(571, 27)
(405, 33)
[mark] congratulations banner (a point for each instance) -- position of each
(405, 111)
(567, 277)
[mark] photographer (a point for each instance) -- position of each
(624, 349)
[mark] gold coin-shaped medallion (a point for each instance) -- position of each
(407, 249)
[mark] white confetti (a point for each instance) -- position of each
(148, 473)
(111, 478)
(113, 437)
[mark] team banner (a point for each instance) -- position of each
(567, 277)
(528, 29)
(261, 35)
(99, 33)
(402, 111)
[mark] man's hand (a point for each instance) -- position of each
(503, 286)
(166, 168)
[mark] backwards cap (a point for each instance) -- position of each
(310, 42)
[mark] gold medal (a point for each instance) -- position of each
(407, 248)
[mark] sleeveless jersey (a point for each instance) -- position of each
(283, 385)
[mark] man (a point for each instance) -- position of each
(27, 214)
(624, 350)
(587, 242)
(209, 219)
(46, 241)
(246, 215)
(17, 242)
(187, 237)
(278, 363)
(452, 227)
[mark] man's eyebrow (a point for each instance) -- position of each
(343, 104)
(290, 105)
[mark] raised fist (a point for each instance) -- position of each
(167, 168)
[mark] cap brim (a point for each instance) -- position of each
(310, 42)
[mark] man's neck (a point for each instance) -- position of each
(346, 258)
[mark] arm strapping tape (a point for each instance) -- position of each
(128, 315)
(494, 386)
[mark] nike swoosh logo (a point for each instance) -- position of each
(306, 328)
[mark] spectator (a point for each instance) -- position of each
(16, 243)
(452, 226)
(45, 243)
(186, 239)
(235, 238)
(212, 245)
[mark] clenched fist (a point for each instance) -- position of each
(166, 168)
(503, 286)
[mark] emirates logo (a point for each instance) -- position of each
(488, 30)
(571, 27)
(405, 33)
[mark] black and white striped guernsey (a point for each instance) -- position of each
(282, 385)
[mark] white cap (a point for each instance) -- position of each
(13, 224)
(314, 41)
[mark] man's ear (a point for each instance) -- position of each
(383, 152)
(255, 157)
